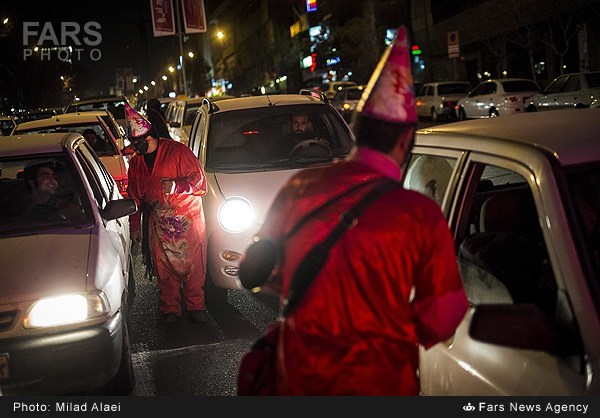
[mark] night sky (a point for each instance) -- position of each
(127, 41)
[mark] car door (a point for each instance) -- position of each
(508, 266)
(104, 190)
(477, 104)
(571, 94)
(553, 96)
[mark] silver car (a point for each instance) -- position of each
(496, 97)
(436, 100)
(67, 278)
(522, 198)
(577, 90)
(243, 145)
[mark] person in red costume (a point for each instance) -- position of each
(390, 284)
(168, 182)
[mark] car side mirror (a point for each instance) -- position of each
(119, 208)
(521, 326)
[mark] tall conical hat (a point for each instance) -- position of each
(137, 125)
(389, 94)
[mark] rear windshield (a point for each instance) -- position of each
(519, 85)
(458, 88)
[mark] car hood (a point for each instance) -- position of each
(43, 264)
(259, 188)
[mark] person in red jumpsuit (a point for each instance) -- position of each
(168, 182)
(390, 284)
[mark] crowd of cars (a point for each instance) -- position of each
(523, 205)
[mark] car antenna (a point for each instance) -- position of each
(268, 99)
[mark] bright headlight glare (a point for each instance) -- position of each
(235, 214)
(66, 309)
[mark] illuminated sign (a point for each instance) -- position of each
(311, 5)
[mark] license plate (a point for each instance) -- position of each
(4, 373)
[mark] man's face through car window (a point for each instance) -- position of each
(299, 124)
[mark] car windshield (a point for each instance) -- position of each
(260, 139)
(104, 145)
(519, 85)
(584, 187)
(458, 88)
(40, 193)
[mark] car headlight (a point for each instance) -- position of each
(235, 214)
(66, 309)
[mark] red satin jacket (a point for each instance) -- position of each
(391, 283)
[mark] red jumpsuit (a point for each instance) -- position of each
(177, 225)
(390, 283)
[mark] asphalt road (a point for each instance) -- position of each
(193, 359)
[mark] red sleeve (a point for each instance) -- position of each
(440, 302)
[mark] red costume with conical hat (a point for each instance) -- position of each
(177, 228)
(390, 284)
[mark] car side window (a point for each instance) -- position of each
(557, 85)
(572, 84)
(430, 175)
(502, 253)
(102, 183)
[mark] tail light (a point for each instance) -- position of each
(122, 186)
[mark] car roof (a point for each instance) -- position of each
(64, 119)
(266, 101)
(432, 83)
(572, 135)
(18, 145)
(97, 100)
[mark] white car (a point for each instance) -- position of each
(522, 198)
(110, 138)
(346, 99)
(577, 90)
(496, 97)
(242, 144)
(436, 100)
(67, 278)
(114, 104)
(331, 88)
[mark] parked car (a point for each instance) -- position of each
(67, 278)
(436, 100)
(346, 99)
(114, 104)
(239, 143)
(522, 198)
(110, 138)
(7, 124)
(180, 115)
(35, 114)
(569, 90)
(331, 88)
(496, 97)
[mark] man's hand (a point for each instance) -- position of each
(136, 237)
(168, 186)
